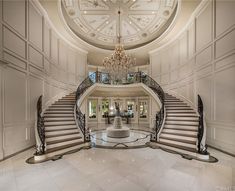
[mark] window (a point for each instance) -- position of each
(92, 76)
(105, 108)
(92, 109)
(143, 109)
(130, 108)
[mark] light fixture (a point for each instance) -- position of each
(119, 63)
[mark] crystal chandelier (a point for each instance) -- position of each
(119, 63)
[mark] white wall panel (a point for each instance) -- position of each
(47, 39)
(1, 111)
(35, 57)
(204, 89)
(47, 66)
(14, 60)
(35, 26)
(14, 96)
(183, 52)
(165, 62)
(174, 56)
(71, 61)
(225, 15)
(156, 64)
(204, 57)
(62, 55)
(191, 40)
(35, 90)
(13, 42)
(225, 44)
(225, 95)
(54, 47)
(204, 27)
(14, 15)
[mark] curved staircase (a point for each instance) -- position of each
(61, 132)
(181, 126)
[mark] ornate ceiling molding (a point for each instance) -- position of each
(142, 21)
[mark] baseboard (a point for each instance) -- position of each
(225, 152)
(18, 152)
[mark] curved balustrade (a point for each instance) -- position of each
(40, 130)
(103, 78)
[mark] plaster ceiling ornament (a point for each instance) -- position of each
(95, 21)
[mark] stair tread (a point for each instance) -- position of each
(179, 140)
(178, 146)
(63, 147)
(179, 134)
(53, 130)
(180, 124)
(191, 120)
(59, 135)
(63, 140)
(57, 120)
(64, 124)
(180, 129)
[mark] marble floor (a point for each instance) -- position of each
(118, 170)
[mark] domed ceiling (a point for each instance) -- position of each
(97, 21)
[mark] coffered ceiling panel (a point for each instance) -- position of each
(97, 21)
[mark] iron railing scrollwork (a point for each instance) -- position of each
(40, 131)
(80, 117)
(201, 145)
(104, 78)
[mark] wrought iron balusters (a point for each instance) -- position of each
(202, 147)
(40, 131)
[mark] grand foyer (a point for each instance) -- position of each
(57, 100)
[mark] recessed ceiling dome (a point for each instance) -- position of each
(96, 21)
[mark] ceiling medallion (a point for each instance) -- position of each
(119, 63)
(142, 21)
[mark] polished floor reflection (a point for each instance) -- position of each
(135, 140)
(118, 170)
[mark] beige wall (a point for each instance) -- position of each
(202, 61)
(34, 60)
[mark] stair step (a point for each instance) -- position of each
(61, 149)
(179, 118)
(172, 109)
(193, 123)
(57, 116)
(55, 119)
(61, 109)
(61, 106)
(59, 123)
(58, 112)
(63, 140)
(61, 127)
(179, 136)
(179, 148)
(63, 103)
(181, 127)
(59, 134)
(180, 111)
(180, 132)
(177, 142)
(175, 103)
(181, 114)
(61, 131)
